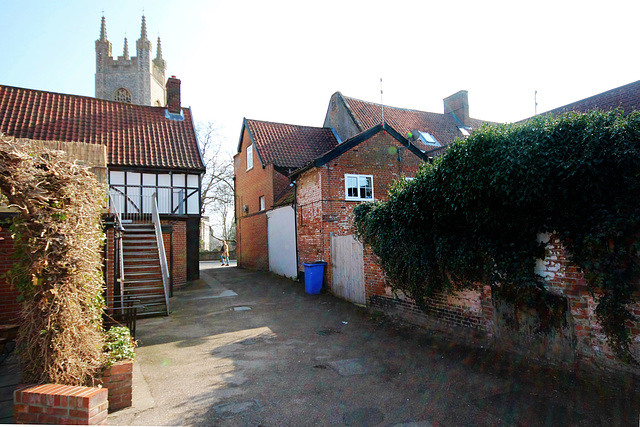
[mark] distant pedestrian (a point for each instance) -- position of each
(224, 255)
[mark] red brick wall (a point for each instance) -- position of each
(60, 404)
(579, 339)
(563, 278)
(322, 208)
(118, 380)
(178, 253)
(9, 306)
(252, 251)
(251, 226)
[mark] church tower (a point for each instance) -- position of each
(137, 80)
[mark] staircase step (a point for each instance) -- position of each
(138, 253)
(150, 283)
(139, 227)
(144, 273)
(148, 260)
(145, 267)
(146, 244)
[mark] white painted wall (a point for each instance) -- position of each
(281, 232)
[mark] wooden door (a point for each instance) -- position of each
(348, 269)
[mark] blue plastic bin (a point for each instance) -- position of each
(313, 275)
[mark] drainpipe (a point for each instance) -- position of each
(295, 224)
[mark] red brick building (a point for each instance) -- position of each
(150, 150)
(267, 153)
(361, 168)
(328, 186)
(280, 149)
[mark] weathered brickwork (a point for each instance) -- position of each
(321, 206)
(468, 309)
(579, 339)
(564, 278)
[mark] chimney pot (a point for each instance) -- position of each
(173, 95)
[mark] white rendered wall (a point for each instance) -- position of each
(281, 231)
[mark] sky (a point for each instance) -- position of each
(281, 60)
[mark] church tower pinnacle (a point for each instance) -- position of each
(158, 61)
(137, 80)
(103, 30)
(125, 54)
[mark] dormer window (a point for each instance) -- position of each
(122, 95)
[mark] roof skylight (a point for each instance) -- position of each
(428, 139)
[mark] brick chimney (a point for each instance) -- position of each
(173, 95)
(458, 106)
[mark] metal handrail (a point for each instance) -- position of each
(118, 231)
(161, 252)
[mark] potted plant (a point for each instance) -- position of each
(117, 376)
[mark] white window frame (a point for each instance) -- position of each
(261, 203)
(361, 179)
(250, 157)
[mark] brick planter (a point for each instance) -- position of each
(118, 379)
(60, 404)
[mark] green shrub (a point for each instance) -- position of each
(473, 216)
(119, 345)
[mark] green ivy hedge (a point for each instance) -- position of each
(473, 215)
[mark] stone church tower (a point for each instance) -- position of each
(137, 80)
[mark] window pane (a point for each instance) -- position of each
(164, 180)
(118, 199)
(116, 178)
(164, 200)
(178, 180)
(178, 201)
(133, 178)
(147, 199)
(149, 179)
(193, 202)
(366, 187)
(352, 186)
(192, 181)
(249, 157)
(133, 200)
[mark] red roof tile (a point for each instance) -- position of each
(134, 135)
(626, 97)
(289, 146)
(442, 126)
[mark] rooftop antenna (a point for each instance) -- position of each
(381, 104)
(535, 99)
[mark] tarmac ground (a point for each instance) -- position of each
(245, 348)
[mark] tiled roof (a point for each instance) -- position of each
(289, 146)
(442, 126)
(626, 97)
(134, 135)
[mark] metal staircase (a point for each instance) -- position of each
(143, 270)
(143, 273)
